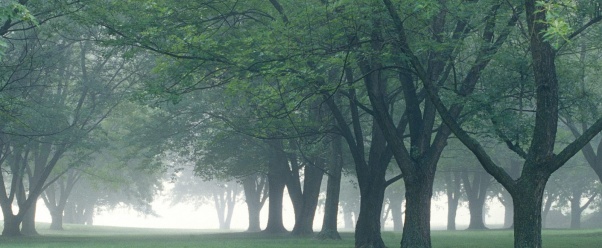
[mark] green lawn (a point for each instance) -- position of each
(98, 236)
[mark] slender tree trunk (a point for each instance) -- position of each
(333, 189)
(348, 218)
(396, 213)
(453, 196)
(416, 229)
(576, 209)
(253, 197)
(88, 214)
(477, 194)
(452, 210)
(276, 180)
(275, 223)
(385, 210)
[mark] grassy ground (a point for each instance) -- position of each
(98, 236)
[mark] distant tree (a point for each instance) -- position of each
(223, 195)
(333, 190)
(575, 188)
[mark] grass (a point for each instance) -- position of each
(99, 236)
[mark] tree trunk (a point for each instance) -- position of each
(11, 226)
(348, 218)
(453, 196)
(276, 180)
(452, 210)
(416, 229)
(275, 223)
(367, 230)
(254, 220)
(475, 208)
(311, 192)
(396, 213)
(576, 212)
(28, 226)
(477, 194)
(528, 198)
(333, 189)
(88, 214)
(254, 186)
(57, 220)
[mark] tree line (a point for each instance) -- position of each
(280, 94)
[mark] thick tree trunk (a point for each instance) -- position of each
(475, 208)
(69, 213)
(57, 220)
(528, 199)
(416, 229)
(367, 230)
(12, 226)
(28, 226)
(311, 192)
(254, 219)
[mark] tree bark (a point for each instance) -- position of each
(333, 189)
(370, 172)
(576, 209)
(28, 226)
(367, 229)
(57, 220)
(416, 229)
(311, 192)
(477, 194)
(11, 226)
(277, 169)
(254, 187)
(528, 199)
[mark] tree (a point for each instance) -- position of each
(540, 159)
(333, 189)
(222, 195)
